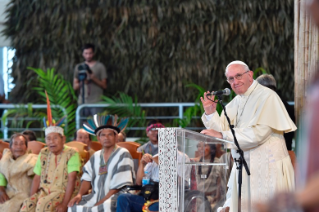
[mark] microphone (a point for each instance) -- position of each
(224, 92)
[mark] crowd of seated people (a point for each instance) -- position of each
(57, 180)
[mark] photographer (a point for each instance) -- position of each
(90, 79)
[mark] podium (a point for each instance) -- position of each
(193, 170)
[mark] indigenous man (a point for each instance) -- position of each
(260, 120)
(84, 137)
(56, 175)
(151, 147)
(16, 172)
(108, 171)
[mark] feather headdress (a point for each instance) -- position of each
(50, 125)
(93, 126)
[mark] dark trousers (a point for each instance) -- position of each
(132, 203)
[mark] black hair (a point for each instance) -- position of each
(212, 148)
(30, 134)
(88, 46)
(153, 121)
(17, 135)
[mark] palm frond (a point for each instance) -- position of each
(61, 93)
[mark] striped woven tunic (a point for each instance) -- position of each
(119, 174)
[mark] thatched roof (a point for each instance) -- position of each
(153, 48)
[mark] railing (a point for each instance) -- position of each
(5, 129)
(179, 106)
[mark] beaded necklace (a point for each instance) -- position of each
(238, 118)
(103, 165)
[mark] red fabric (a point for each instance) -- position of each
(157, 125)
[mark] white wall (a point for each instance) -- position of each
(3, 41)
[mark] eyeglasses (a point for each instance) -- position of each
(237, 76)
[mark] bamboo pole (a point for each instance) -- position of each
(299, 72)
(306, 53)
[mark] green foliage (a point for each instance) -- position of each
(188, 116)
(191, 112)
(22, 117)
(151, 48)
(259, 71)
(61, 93)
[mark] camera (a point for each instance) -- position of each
(83, 68)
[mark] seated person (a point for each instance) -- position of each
(84, 137)
(30, 135)
(108, 171)
(151, 147)
(131, 202)
(56, 174)
(16, 172)
(121, 137)
(209, 178)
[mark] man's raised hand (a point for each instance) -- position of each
(208, 105)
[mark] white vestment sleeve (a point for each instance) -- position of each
(248, 137)
(213, 121)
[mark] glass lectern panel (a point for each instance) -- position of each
(202, 165)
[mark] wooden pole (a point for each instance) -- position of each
(306, 53)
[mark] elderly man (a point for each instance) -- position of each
(260, 120)
(108, 171)
(121, 137)
(16, 172)
(84, 137)
(56, 175)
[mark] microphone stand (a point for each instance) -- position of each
(241, 160)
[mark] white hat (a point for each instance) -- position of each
(54, 129)
(236, 62)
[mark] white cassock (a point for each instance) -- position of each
(120, 172)
(260, 119)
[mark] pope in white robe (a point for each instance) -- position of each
(260, 120)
